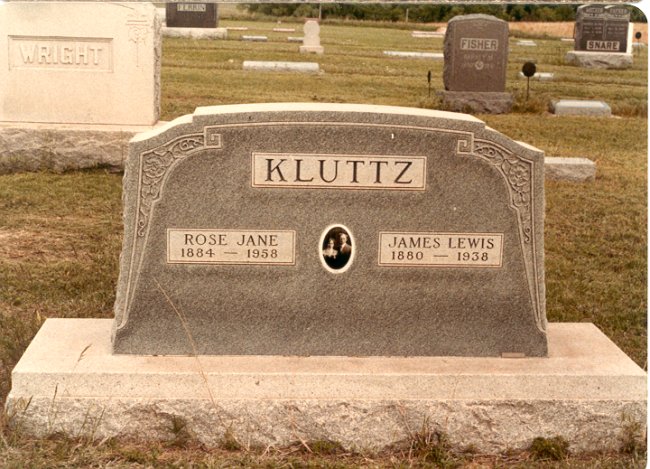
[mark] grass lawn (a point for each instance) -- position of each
(60, 234)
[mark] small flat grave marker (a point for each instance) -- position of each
(254, 38)
(304, 67)
(576, 107)
(415, 55)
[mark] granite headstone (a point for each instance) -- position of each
(354, 230)
(476, 53)
(602, 28)
(191, 15)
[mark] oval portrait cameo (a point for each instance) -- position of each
(337, 248)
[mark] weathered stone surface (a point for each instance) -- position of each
(599, 59)
(196, 33)
(477, 102)
(34, 147)
(311, 39)
(580, 107)
(527, 43)
(80, 63)
(476, 54)
(415, 55)
(602, 28)
(304, 67)
(295, 39)
(462, 185)
(192, 15)
(569, 169)
(586, 391)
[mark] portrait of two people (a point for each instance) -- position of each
(337, 248)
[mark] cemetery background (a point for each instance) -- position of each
(61, 233)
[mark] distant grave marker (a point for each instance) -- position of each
(311, 39)
(603, 37)
(476, 58)
(191, 15)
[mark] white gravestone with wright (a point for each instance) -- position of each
(79, 63)
(77, 81)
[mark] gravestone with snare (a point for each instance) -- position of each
(603, 37)
(476, 58)
(304, 229)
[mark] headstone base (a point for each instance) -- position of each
(477, 102)
(196, 33)
(607, 60)
(61, 147)
(311, 49)
(569, 169)
(587, 391)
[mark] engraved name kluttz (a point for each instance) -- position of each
(193, 246)
(294, 170)
(440, 249)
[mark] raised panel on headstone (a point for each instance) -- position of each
(191, 15)
(476, 54)
(349, 230)
(80, 63)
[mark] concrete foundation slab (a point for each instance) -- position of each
(196, 33)
(60, 147)
(587, 391)
(304, 67)
(477, 102)
(580, 107)
(607, 60)
(569, 169)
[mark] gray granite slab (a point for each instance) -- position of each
(476, 54)
(191, 15)
(601, 28)
(331, 229)
(580, 107)
(254, 38)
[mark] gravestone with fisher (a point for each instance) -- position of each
(332, 262)
(476, 59)
(192, 15)
(603, 37)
